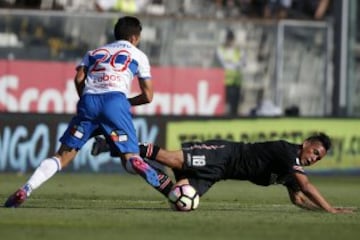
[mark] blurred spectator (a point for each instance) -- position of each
(227, 8)
(292, 111)
(265, 107)
(42, 4)
(124, 6)
(71, 5)
(155, 7)
(191, 7)
(29, 4)
(6, 3)
(315, 9)
(67, 5)
(246, 7)
(321, 9)
(253, 8)
(277, 8)
(232, 60)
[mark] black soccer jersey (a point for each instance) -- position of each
(265, 163)
(261, 163)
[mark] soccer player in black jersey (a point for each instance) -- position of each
(202, 164)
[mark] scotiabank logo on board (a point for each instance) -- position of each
(47, 87)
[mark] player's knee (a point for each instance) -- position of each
(173, 159)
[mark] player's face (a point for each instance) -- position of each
(311, 153)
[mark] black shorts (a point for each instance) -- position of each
(204, 163)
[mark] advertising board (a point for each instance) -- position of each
(27, 139)
(345, 153)
(48, 87)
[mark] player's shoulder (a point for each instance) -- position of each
(273, 143)
(277, 147)
(284, 143)
(207, 144)
(141, 54)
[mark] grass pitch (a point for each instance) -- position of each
(99, 206)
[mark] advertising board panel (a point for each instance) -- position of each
(345, 153)
(27, 139)
(48, 87)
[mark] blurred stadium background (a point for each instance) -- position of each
(305, 66)
(302, 70)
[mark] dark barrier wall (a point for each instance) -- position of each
(26, 139)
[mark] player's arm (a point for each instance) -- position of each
(299, 199)
(80, 79)
(146, 94)
(171, 159)
(321, 9)
(313, 194)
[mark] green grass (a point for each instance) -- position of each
(98, 206)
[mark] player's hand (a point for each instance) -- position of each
(345, 209)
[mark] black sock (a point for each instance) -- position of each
(149, 150)
(165, 182)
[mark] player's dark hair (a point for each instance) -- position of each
(126, 27)
(322, 138)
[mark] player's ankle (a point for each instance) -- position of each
(149, 150)
(28, 189)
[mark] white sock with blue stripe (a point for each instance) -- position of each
(44, 172)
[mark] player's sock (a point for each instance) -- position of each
(149, 150)
(44, 172)
(165, 182)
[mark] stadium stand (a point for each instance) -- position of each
(189, 42)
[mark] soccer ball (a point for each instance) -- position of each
(184, 198)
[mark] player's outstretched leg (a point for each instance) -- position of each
(44, 172)
(145, 170)
(18, 197)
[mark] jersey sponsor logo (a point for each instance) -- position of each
(198, 161)
(123, 138)
(77, 131)
(106, 77)
(118, 137)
